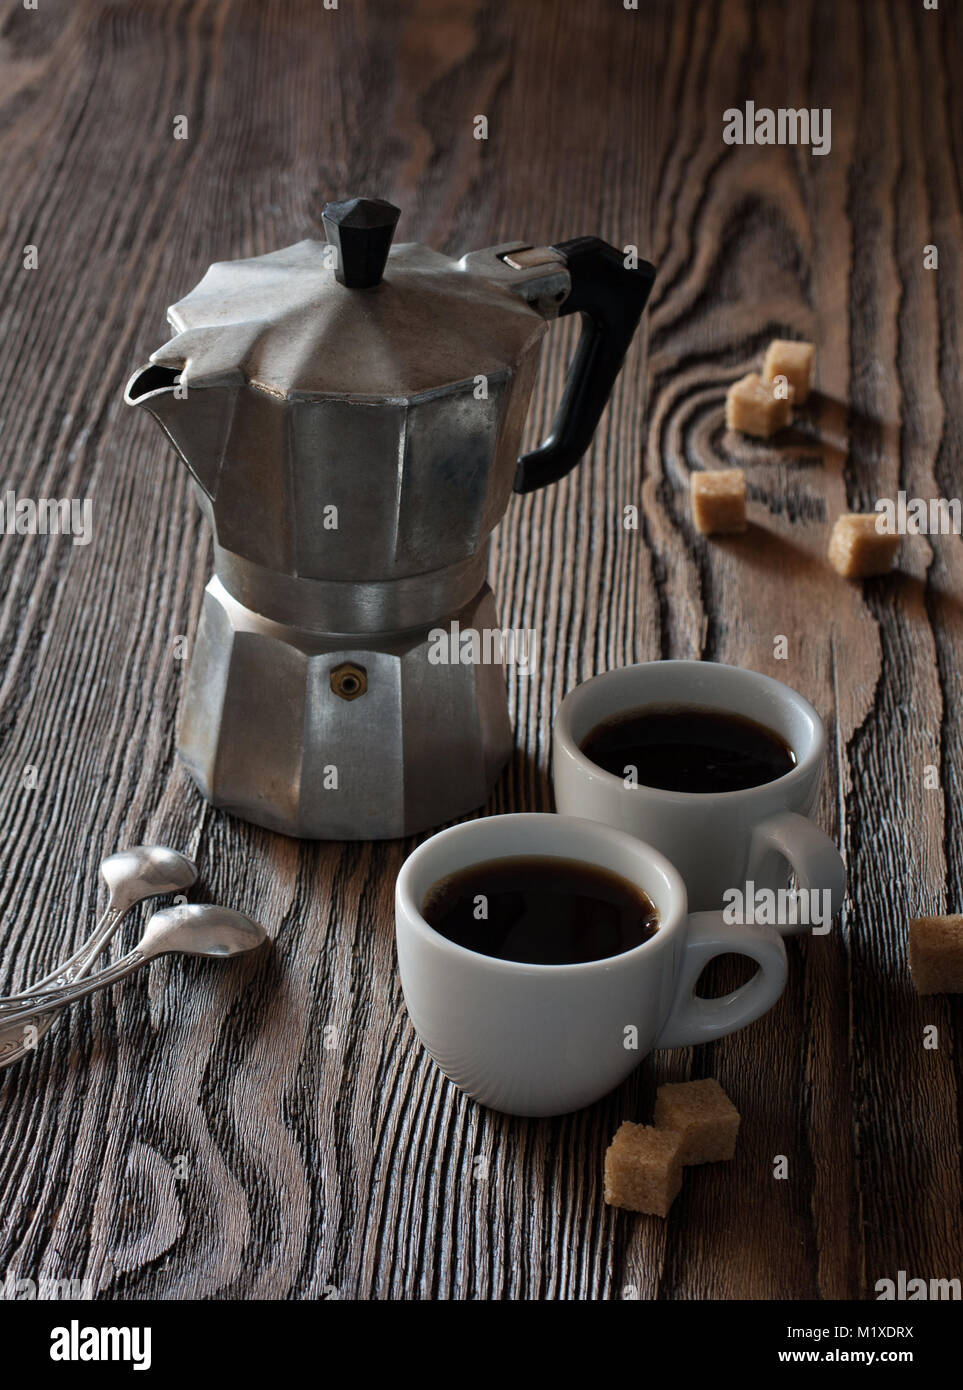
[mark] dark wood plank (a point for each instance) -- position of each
(199, 1132)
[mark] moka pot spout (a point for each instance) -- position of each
(196, 421)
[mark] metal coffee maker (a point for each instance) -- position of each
(351, 412)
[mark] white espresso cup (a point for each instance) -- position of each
(730, 847)
(547, 1039)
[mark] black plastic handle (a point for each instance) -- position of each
(610, 299)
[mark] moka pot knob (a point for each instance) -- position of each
(361, 229)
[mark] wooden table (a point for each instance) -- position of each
(272, 1130)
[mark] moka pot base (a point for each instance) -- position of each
(340, 736)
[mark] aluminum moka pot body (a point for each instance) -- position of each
(351, 414)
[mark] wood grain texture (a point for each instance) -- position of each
(271, 1130)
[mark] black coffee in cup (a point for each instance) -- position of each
(541, 911)
(687, 748)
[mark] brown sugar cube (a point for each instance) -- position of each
(643, 1171)
(936, 954)
(857, 548)
(792, 360)
(753, 407)
(703, 1116)
(719, 501)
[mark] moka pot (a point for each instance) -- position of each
(351, 413)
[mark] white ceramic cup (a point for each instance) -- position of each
(718, 841)
(547, 1039)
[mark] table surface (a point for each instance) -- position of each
(202, 1132)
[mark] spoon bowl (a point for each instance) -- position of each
(201, 929)
(145, 871)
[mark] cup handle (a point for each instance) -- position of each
(696, 1020)
(811, 855)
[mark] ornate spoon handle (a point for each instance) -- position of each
(85, 956)
(20, 1038)
(71, 969)
(48, 999)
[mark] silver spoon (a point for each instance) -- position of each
(190, 929)
(131, 875)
